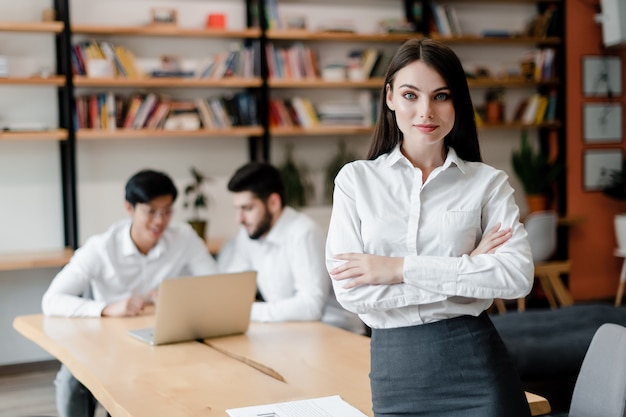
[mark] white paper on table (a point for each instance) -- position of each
(332, 406)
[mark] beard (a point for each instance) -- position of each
(263, 227)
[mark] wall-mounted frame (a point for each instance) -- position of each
(602, 76)
(602, 122)
(598, 164)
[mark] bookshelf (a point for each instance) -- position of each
(146, 81)
(32, 27)
(153, 134)
(537, 38)
(354, 98)
(42, 83)
(169, 82)
(35, 259)
(19, 27)
(165, 31)
(264, 87)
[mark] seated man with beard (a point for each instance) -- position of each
(286, 248)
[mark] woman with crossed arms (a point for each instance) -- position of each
(423, 236)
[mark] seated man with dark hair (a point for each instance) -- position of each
(286, 248)
(118, 272)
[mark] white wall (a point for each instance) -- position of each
(30, 188)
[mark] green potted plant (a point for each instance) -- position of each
(535, 172)
(332, 169)
(614, 186)
(614, 183)
(298, 188)
(197, 198)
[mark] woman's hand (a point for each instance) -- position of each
(494, 238)
(364, 269)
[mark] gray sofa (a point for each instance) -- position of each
(549, 345)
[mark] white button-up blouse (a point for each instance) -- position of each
(383, 207)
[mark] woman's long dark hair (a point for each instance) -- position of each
(463, 136)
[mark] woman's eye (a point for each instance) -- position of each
(442, 96)
(410, 96)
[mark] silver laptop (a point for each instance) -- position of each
(201, 307)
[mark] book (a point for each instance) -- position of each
(133, 107)
(111, 114)
(542, 105)
(205, 67)
(147, 106)
(530, 112)
(206, 116)
(368, 61)
(453, 20)
(441, 19)
(323, 406)
(550, 115)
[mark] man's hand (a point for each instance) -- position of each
(494, 238)
(132, 306)
(368, 269)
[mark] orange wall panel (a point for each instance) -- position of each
(595, 270)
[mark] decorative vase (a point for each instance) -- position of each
(620, 231)
(200, 227)
(536, 202)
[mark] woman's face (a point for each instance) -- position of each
(422, 103)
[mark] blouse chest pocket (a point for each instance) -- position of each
(460, 231)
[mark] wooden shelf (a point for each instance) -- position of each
(320, 83)
(361, 130)
(378, 82)
(57, 134)
(487, 40)
(32, 27)
(519, 125)
(173, 82)
(39, 259)
(306, 35)
(321, 131)
(164, 30)
(56, 80)
(508, 82)
(151, 134)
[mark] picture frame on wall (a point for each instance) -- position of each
(602, 122)
(598, 164)
(602, 76)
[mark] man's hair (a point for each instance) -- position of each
(260, 178)
(146, 185)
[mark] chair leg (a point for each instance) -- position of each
(620, 293)
(547, 290)
(500, 305)
(620, 288)
(562, 294)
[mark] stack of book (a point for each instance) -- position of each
(294, 112)
(538, 108)
(445, 19)
(107, 111)
(122, 60)
(293, 63)
(357, 113)
(237, 62)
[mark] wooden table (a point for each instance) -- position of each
(270, 363)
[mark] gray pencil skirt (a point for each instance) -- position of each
(456, 367)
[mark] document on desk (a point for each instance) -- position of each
(332, 406)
